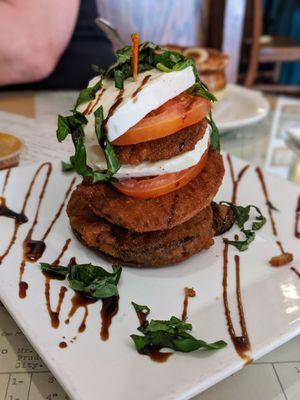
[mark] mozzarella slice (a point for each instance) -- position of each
(157, 90)
(96, 161)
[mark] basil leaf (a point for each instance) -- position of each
(192, 344)
(214, 135)
(148, 45)
(99, 176)
(79, 159)
(94, 281)
(59, 270)
(77, 119)
(259, 221)
(141, 309)
(199, 89)
(123, 57)
(242, 245)
(89, 279)
(73, 125)
(172, 333)
(163, 67)
(175, 57)
(177, 67)
(63, 129)
(66, 125)
(140, 343)
(270, 205)
(182, 65)
(113, 164)
(242, 215)
(66, 167)
(99, 117)
(88, 93)
(97, 69)
(118, 77)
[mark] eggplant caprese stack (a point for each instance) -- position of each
(148, 150)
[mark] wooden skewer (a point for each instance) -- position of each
(135, 54)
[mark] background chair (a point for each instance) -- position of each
(263, 49)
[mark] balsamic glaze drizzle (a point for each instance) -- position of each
(91, 106)
(188, 292)
(58, 213)
(7, 212)
(136, 92)
(110, 307)
(118, 101)
(156, 355)
(20, 218)
(296, 271)
(268, 202)
(152, 351)
(241, 343)
(34, 249)
(27, 196)
(54, 314)
(79, 300)
(279, 244)
(235, 181)
(297, 219)
(7, 175)
(273, 222)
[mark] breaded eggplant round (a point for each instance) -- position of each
(160, 213)
(149, 249)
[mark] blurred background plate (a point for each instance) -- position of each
(239, 107)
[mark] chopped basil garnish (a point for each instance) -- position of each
(199, 89)
(113, 164)
(73, 125)
(97, 69)
(88, 93)
(242, 215)
(56, 270)
(214, 135)
(118, 77)
(66, 167)
(89, 279)
(242, 245)
(139, 309)
(172, 334)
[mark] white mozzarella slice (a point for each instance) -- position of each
(96, 161)
(159, 88)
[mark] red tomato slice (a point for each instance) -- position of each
(184, 110)
(162, 184)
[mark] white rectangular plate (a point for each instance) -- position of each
(90, 368)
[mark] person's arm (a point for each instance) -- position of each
(33, 36)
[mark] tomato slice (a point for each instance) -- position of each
(177, 113)
(162, 184)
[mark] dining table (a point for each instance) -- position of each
(276, 376)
